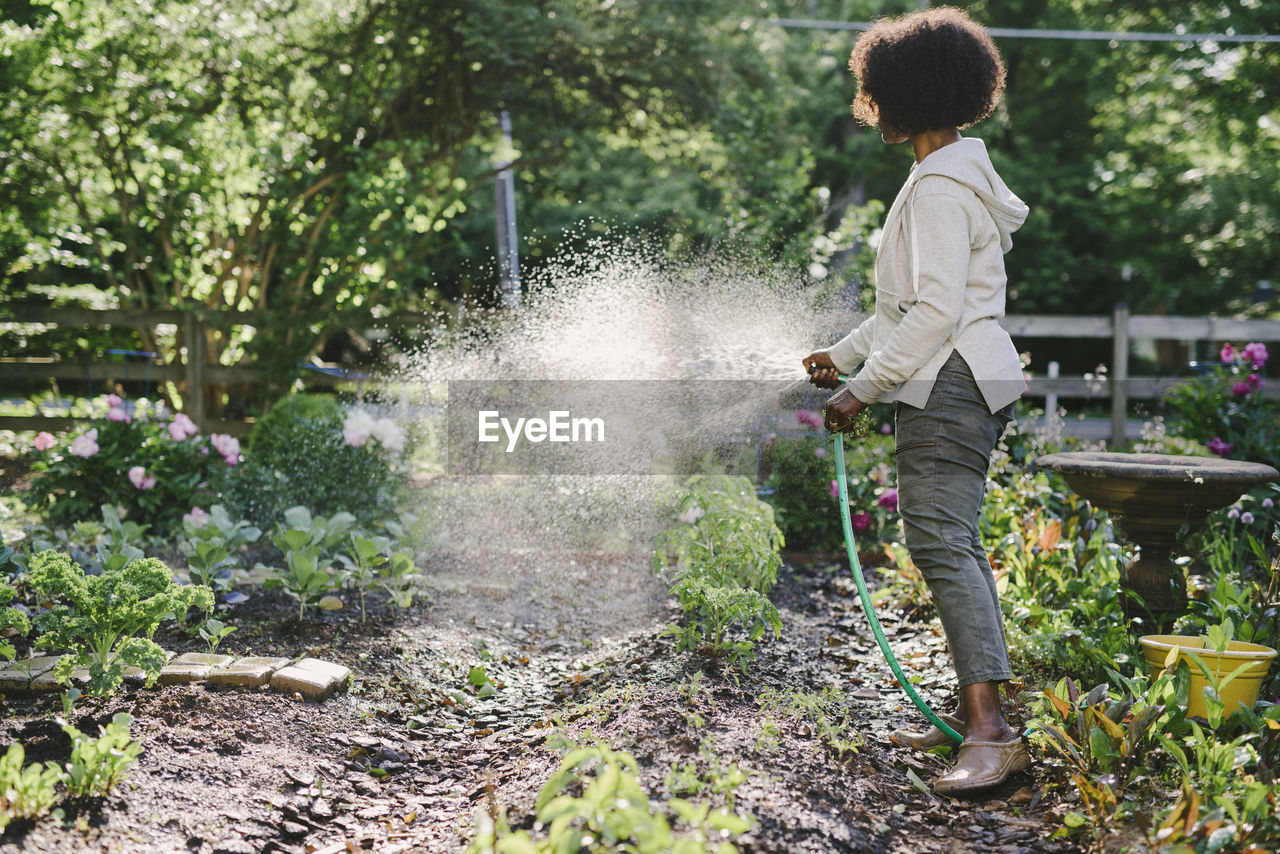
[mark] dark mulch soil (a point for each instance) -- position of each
(571, 645)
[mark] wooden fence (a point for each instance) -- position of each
(194, 374)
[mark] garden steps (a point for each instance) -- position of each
(310, 678)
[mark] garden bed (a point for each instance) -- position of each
(568, 652)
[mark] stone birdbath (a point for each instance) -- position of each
(1150, 496)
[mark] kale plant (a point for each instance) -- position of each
(105, 622)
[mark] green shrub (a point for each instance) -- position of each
(299, 455)
(1225, 411)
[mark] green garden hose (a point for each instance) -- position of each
(865, 597)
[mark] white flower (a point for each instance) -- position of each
(357, 428)
(196, 518)
(693, 514)
(389, 434)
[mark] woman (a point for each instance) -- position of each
(933, 345)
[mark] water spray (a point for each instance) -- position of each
(864, 597)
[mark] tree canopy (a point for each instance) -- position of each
(324, 162)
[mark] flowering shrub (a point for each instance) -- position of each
(155, 468)
(1225, 410)
(803, 473)
(307, 450)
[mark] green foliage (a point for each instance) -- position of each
(10, 618)
(219, 529)
(726, 559)
(305, 461)
(213, 632)
(105, 622)
(26, 793)
(67, 487)
(98, 764)
(595, 803)
(209, 566)
(305, 576)
(828, 712)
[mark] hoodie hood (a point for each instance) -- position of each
(966, 161)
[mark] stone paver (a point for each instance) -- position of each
(191, 667)
(250, 672)
(312, 678)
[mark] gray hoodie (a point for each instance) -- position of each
(940, 284)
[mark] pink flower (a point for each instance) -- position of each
(1246, 518)
(1228, 353)
(196, 518)
(228, 446)
(114, 401)
(861, 521)
(1267, 503)
(117, 414)
(819, 452)
(1255, 352)
(138, 477)
(1218, 446)
(809, 417)
(835, 489)
(86, 444)
(1240, 389)
(1254, 381)
(44, 441)
(889, 499)
(182, 427)
(886, 428)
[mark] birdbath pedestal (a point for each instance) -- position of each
(1150, 496)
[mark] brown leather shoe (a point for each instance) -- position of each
(982, 764)
(930, 738)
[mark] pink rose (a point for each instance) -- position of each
(1254, 381)
(182, 427)
(809, 417)
(1241, 388)
(888, 499)
(118, 415)
(86, 444)
(1228, 353)
(196, 518)
(861, 521)
(819, 452)
(835, 489)
(1218, 446)
(114, 401)
(228, 446)
(1255, 352)
(138, 477)
(44, 441)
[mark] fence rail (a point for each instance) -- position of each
(194, 374)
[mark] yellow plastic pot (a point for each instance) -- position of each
(1242, 689)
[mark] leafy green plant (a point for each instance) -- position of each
(827, 711)
(213, 632)
(10, 618)
(595, 803)
(304, 577)
(98, 764)
(209, 566)
(365, 556)
(105, 622)
(218, 528)
(26, 793)
(399, 578)
(726, 558)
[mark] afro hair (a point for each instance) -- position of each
(926, 71)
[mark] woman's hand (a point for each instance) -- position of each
(821, 370)
(842, 407)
